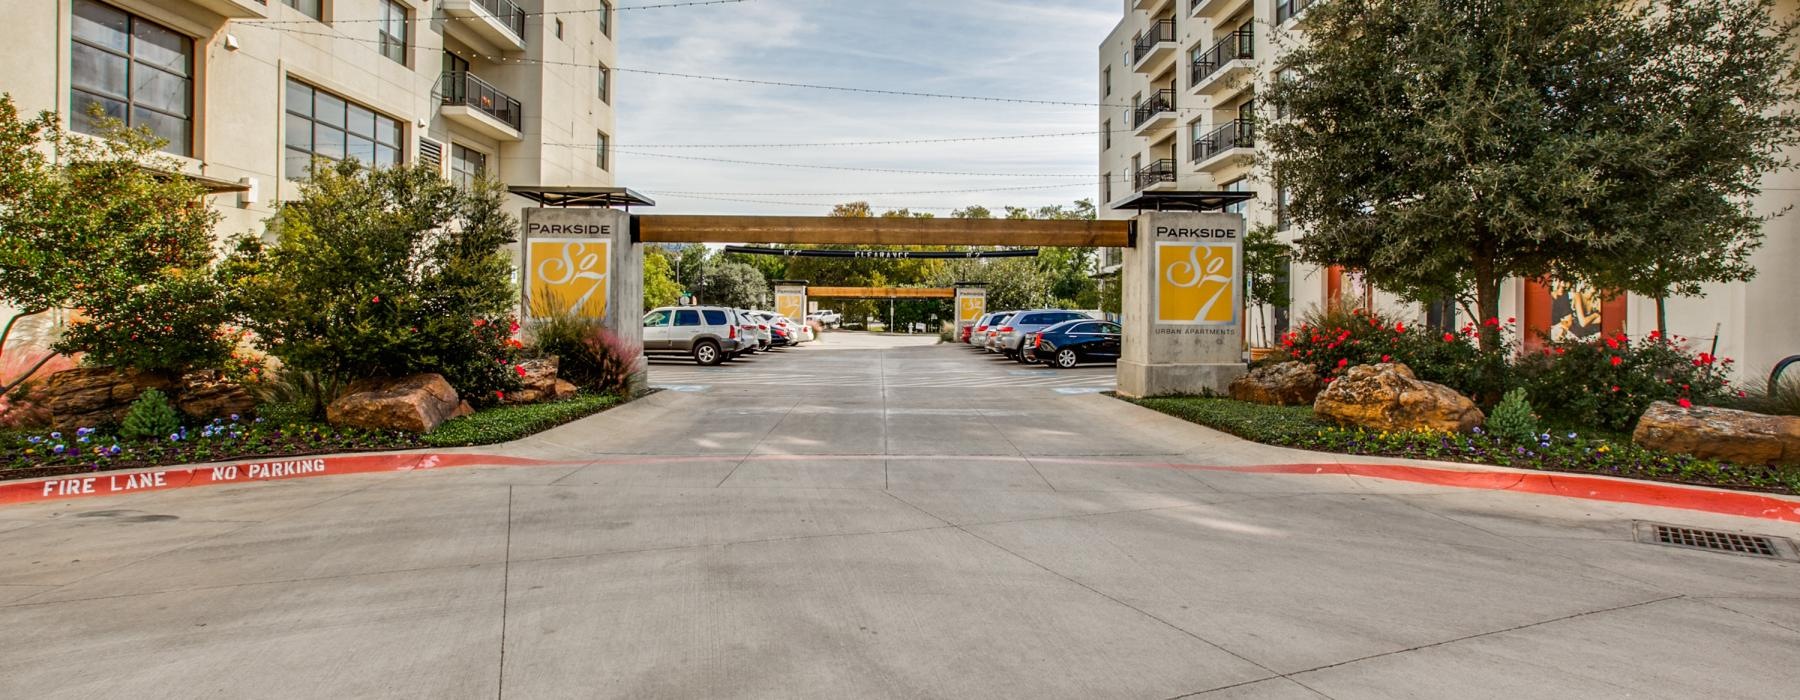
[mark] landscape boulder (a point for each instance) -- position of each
(539, 383)
(1720, 433)
(1284, 384)
(415, 404)
(209, 394)
(1389, 397)
(88, 397)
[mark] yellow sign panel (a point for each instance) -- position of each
(1196, 283)
(792, 306)
(567, 275)
(970, 308)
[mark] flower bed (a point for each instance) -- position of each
(1562, 450)
(29, 454)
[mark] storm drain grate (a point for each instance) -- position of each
(1715, 541)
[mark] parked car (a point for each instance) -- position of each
(978, 330)
(989, 337)
(709, 334)
(827, 317)
(1071, 343)
(1012, 334)
(757, 327)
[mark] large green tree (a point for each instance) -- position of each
(106, 227)
(1442, 146)
(734, 284)
(660, 288)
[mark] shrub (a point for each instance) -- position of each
(151, 417)
(1512, 420)
(1338, 337)
(506, 423)
(1756, 396)
(590, 355)
(1609, 382)
(384, 272)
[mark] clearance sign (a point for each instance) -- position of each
(1198, 275)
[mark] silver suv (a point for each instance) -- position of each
(708, 333)
(1014, 331)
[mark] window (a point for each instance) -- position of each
(605, 84)
(1281, 207)
(467, 166)
(393, 31)
(311, 8)
(327, 126)
(657, 319)
(133, 70)
(1105, 187)
(1106, 134)
(687, 317)
(1106, 81)
(716, 318)
(559, 27)
(606, 10)
(1238, 185)
(601, 152)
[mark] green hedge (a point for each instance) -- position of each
(507, 423)
(1563, 450)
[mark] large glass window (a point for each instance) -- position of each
(393, 32)
(605, 84)
(311, 8)
(133, 70)
(601, 152)
(320, 124)
(606, 10)
(1239, 185)
(466, 165)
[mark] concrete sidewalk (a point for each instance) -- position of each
(880, 521)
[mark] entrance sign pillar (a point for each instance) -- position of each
(1183, 299)
(971, 303)
(582, 260)
(790, 300)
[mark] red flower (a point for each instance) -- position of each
(1655, 335)
(1343, 363)
(1400, 327)
(1612, 343)
(515, 327)
(1686, 403)
(1449, 337)
(1387, 358)
(375, 300)
(480, 322)
(1616, 360)
(1491, 323)
(1512, 319)
(520, 369)
(500, 395)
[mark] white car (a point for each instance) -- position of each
(828, 318)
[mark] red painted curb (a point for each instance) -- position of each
(78, 486)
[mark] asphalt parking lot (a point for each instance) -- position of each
(880, 516)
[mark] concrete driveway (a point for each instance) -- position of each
(880, 517)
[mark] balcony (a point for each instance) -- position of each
(1237, 137)
(1158, 175)
(499, 22)
(1215, 10)
(1289, 9)
(235, 9)
(1154, 112)
(1152, 6)
(1155, 49)
(472, 103)
(1226, 64)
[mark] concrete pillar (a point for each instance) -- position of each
(971, 303)
(583, 261)
(790, 299)
(1183, 302)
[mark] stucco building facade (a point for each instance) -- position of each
(1179, 78)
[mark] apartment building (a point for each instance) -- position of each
(248, 92)
(1178, 79)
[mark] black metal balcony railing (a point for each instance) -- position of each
(1237, 133)
(1240, 44)
(508, 13)
(1160, 31)
(1286, 9)
(1156, 173)
(466, 90)
(1157, 103)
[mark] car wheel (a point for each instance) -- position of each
(1066, 358)
(707, 353)
(1023, 360)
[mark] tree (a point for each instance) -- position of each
(104, 226)
(732, 284)
(1442, 146)
(660, 288)
(384, 272)
(1266, 261)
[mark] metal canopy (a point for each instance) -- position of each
(581, 196)
(1184, 201)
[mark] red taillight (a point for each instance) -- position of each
(1037, 340)
(979, 329)
(762, 328)
(1006, 329)
(733, 334)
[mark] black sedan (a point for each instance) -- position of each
(1071, 343)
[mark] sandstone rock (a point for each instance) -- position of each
(1389, 397)
(540, 383)
(415, 404)
(1285, 384)
(90, 397)
(1720, 433)
(563, 390)
(209, 394)
(463, 409)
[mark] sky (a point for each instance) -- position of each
(1025, 49)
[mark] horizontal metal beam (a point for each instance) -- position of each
(828, 230)
(879, 293)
